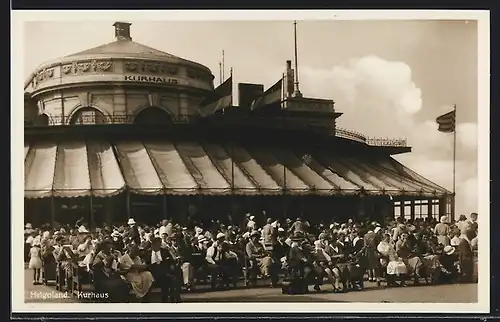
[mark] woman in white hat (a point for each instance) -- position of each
(447, 260)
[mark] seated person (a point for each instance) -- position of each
(135, 272)
(106, 276)
(228, 264)
(164, 269)
(300, 263)
(182, 256)
(260, 260)
(323, 264)
(449, 269)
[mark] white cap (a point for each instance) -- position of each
(82, 229)
(131, 221)
(220, 235)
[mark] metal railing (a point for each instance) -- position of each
(264, 122)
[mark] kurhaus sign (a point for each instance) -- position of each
(151, 79)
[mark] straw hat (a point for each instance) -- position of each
(131, 221)
(449, 250)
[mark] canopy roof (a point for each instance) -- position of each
(103, 169)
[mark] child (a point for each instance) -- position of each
(35, 262)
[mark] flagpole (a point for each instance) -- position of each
(297, 90)
(454, 157)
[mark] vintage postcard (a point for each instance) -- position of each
(329, 161)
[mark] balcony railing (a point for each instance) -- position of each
(277, 123)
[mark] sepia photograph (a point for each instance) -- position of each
(295, 159)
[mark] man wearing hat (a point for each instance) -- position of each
(212, 258)
(260, 260)
(251, 225)
(133, 231)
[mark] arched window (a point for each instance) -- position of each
(42, 120)
(87, 116)
(152, 116)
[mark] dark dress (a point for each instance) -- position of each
(466, 260)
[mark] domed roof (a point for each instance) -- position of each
(110, 62)
(125, 47)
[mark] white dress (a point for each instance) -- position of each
(35, 260)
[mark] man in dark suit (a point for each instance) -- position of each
(164, 269)
(466, 256)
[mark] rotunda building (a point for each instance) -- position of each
(124, 130)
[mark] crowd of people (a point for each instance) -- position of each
(132, 258)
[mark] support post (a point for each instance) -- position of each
(454, 161)
(128, 203)
(164, 206)
(52, 211)
(92, 222)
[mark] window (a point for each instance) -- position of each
(152, 116)
(435, 208)
(418, 209)
(424, 209)
(87, 116)
(448, 209)
(407, 212)
(397, 211)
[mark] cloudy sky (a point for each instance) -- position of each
(389, 78)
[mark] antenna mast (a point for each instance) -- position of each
(223, 78)
(297, 92)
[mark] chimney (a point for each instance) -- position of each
(290, 78)
(122, 30)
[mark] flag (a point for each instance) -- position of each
(272, 95)
(446, 122)
(221, 98)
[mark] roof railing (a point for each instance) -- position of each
(261, 122)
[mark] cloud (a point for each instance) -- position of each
(379, 98)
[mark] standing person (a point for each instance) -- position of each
(133, 233)
(442, 230)
(463, 224)
(251, 224)
(269, 234)
(371, 242)
(399, 229)
(473, 219)
(466, 256)
(36, 262)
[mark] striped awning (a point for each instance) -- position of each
(102, 169)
